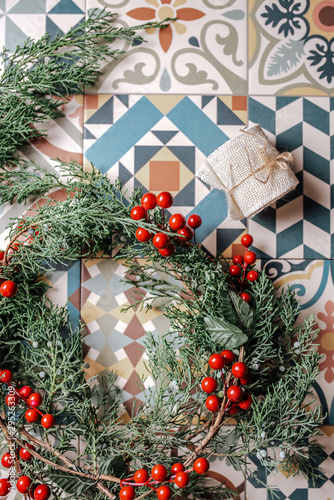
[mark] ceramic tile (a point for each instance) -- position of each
(20, 19)
(298, 487)
(158, 142)
(312, 281)
(289, 47)
(210, 34)
(64, 141)
(114, 339)
(298, 226)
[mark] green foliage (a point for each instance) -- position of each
(38, 76)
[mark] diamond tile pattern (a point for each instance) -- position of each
(153, 118)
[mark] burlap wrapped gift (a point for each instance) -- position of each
(250, 170)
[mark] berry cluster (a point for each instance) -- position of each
(7, 288)
(24, 485)
(177, 223)
(240, 264)
(33, 400)
(159, 474)
(234, 395)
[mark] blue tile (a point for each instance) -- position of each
(215, 199)
(290, 238)
(105, 114)
(290, 139)
(261, 114)
(316, 165)
(197, 126)
(317, 214)
(316, 116)
(120, 137)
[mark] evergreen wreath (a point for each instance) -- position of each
(232, 374)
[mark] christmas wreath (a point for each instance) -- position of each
(230, 377)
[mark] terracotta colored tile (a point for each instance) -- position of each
(132, 386)
(164, 175)
(239, 103)
(91, 101)
(134, 352)
(135, 329)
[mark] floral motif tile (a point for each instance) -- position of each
(203, 51)
(299, 225)
(158, 142)
(20, 19)
(290, 47)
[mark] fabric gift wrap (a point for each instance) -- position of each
(250, 170)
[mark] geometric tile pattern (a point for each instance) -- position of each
(298, 226)
(158, 142)
(210, 34)
(299, 487)
(289, 47)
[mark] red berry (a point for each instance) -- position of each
(228, 356)
(246, 401)
(245, 380)
(234, 409)
(7, 460)
(246, 240)
(216, 361)
(149, 201)
(176, 222)
(209, 384)
(8, 288)
(6, 376)
(164, 493)
(168, 251)
(35, 399)
(165, 199)
(239, 369)
(25, 454)
(234, 270)
(177, 468)
(141, 476)
(25, 391)
(143, 235)
(213, 403)
(250, 257)
(12, 400)
(5, 487)
(238, 259)
(138, 213)
(185, 233)
(201, 465)
(159, 472)
(2, 254)
(252, 275)
(127, 493)
(161, 240)
(246, 297)
(194, 221)
(235, 393)
(181, 479)
(23, 484)
(47, 421)
(42, 492)
(31, 416)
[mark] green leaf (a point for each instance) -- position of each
(71, 484)
(113, 466)
(228, 309)
(227, 334)
(243, 309)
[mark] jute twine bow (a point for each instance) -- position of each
(282, 160)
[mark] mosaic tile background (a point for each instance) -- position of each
(152, 119)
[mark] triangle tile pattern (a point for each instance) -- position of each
(114, 339)
(32, 18)
(300, 226)
(157, 142)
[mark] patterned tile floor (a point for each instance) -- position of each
(153, 118)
